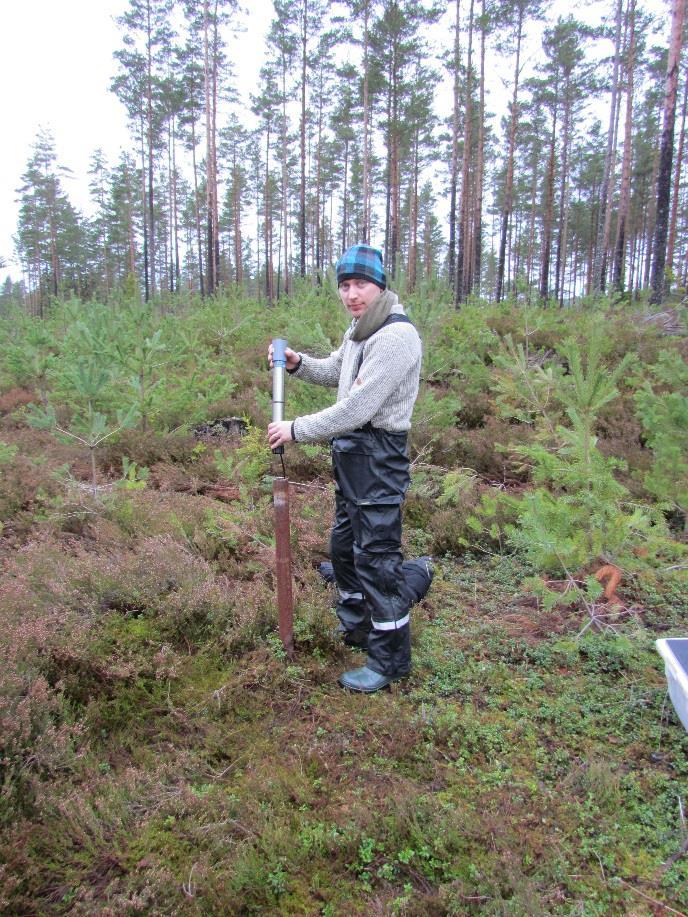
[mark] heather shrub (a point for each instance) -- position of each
(639, 334)
(38, 739)
(251, 616)
(27, 489)
(147, 449)
(20, 482)
(311, 513)
(314, 623)
(488, 450)
(144, 513)
(12, 401)
(539, 329)
(38, 735)
(476, 409)
(307, 461)
(224, 538)
(162, 579)
(418, 509)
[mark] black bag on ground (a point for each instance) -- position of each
(418, 574)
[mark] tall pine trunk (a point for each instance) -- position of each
(210, 84)
(175, 211)
(548, 214)
(464, 209)
(477, 239)
(677, 184)
(345, 197)
(604, 219)
(267, 228)
(285, 183)
(197, 209)
(650, 216)
(659, 245)
(454, 167)
(618, 268)
(509, 183)
(302, 188)
(366, 128)
(413, 220)
(146, 220)
(563, 203)
(236, 216)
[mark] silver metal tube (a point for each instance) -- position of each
(278, 393)
(279, 365)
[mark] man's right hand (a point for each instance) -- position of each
(293, 359)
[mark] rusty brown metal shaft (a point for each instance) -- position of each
(285, 599)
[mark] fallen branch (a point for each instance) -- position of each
(675, 856)
(188, 887)
(654, 901)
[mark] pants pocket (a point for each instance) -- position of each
(378, 527)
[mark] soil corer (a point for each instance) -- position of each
(280, 496)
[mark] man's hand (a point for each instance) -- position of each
(279, 432)
(293, 359)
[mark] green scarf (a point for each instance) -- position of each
(375, 315)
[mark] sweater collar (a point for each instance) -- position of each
(375, 315)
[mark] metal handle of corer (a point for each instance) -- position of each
(279, 365)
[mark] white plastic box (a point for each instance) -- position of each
(674, 651)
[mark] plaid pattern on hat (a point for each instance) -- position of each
(364, 262)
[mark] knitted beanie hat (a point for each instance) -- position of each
(361, 262)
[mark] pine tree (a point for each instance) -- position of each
(513, 15)
(671, 241)
(658, 281)
(399, 53)
(98, 186)
(147, 40)
(207, 21)
(234, 139)
(344, 119)
(362, 13)
(124, 220)
(267, 107)
(49, 237)
(605, 209)
(189, 76)
(282, 50)
(618, 266)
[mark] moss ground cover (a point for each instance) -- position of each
(160, 755)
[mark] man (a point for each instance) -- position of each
(376, 371)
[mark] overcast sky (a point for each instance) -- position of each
(56, 64)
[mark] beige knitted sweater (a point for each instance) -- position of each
(383, 392)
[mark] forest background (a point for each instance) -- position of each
(488, 145)
(160, 752)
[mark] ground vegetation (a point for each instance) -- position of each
(160, 754)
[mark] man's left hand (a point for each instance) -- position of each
(279, 432)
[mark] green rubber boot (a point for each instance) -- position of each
(365, 680)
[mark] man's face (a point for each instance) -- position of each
(357, 295)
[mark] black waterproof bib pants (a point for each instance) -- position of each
(371, 471)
